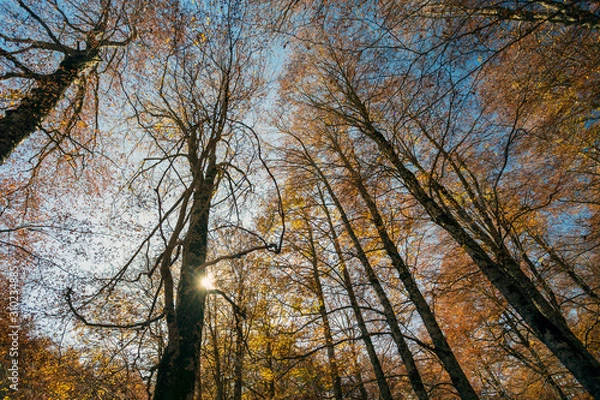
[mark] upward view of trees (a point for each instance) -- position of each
(300, 199)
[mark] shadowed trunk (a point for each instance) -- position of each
(18, 124)
(336, 380)
(179, 367)
(384, 388)
(239, 360)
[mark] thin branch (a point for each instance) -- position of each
(81, 318)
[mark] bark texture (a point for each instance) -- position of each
(179, 367)
(18, 124)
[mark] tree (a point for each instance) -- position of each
(203, 111)
(533, 11)
(195, 125)
(441, 345)
(316, 285)
(53, 50)
(543, 76)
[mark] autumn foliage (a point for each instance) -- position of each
(387, 200)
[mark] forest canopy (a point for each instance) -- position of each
(299, 199)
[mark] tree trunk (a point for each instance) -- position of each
(239, 360)
(360, 384)
(384, 388)
(20, 123)
(336, 380)
(390, 316)
(179, 367)
(271, 378)
(217, 372)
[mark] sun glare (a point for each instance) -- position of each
(207, 282)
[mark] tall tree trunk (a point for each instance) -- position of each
(179, 367)
(384, 388)
(360, 384)
(414, 375)
(389, 313)
(239, 360)
(240, 342)
(20, 123)
(271, 390)
(217, 372)
(442, 348)
(336, 380)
